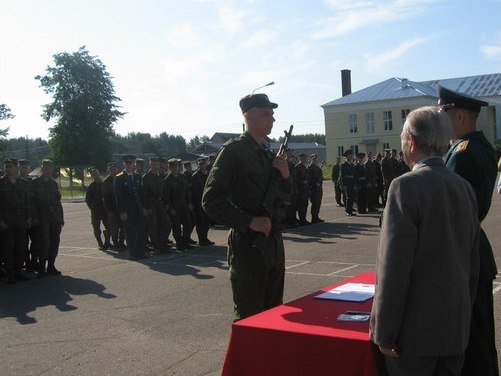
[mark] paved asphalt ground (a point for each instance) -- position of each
(171, 314)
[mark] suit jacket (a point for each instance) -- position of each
(427, 267)
(128, 195)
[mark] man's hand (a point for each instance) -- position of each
(261, 224)
(281, 165)
(392, 353)
(123, 217)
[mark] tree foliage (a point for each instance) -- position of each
(5, 112)
(84, 108)
(197, 141)
(163, 144)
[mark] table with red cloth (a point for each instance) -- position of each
(303, 337)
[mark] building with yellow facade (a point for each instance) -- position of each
(371, 119)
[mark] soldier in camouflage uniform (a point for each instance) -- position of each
(30, 260)
(110, 206)
(15, 219)
(49, 219)
(361, 184)
(188, 174)
(233, 196)
(302, 189)
(316, 180)
(156, 214)
(98, 214)
(176, 199)
(199, 179)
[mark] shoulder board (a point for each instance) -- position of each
(461, 146)
(233, 140)
(120, 174)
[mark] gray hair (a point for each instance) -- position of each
(431, 129)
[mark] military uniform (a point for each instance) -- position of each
(347, 180)
(387, 170)
(128, 197)
(110, 206)
(49, 221)
(188, 174)
(15, 215)
(316, 180)
(302, 192)
(98, 214)
(176, 198)
(338, 192)
(473, 158)
(159, 225)
(361, 184)
(370, 175)
(233, 195)
(198, 181)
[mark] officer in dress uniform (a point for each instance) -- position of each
(472, 157)
(347, 181)
(128, 197)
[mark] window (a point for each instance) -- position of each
(354, 149)
(352, 119)
(340, 151)
(369, 122)
(387, 120)
(386, 145)
(404, 114)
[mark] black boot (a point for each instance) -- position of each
(51, 269)
(41, 270)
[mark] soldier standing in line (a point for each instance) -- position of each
(347, 181)
(176, 201)
(370, 175)
(139, 166)
(156, 214)
(49, 219)
(30, 261)
(199, 179)
(15, 219)
(98, 214)
(316, 180)
(361, 183)
(110, 206)
(338, 192)
(234, 195)
(387, 170)
(187, 174)
(290, 210)
(164, 167)
(379, 180)
(473, 158)
(128, 197)
(302, 189)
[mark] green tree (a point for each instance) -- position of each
(5, 113)
(84, 108)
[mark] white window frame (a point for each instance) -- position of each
(353, 123)
(370, 124)
(388, 120)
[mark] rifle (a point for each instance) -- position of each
(273, 197)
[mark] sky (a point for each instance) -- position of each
(181, 67)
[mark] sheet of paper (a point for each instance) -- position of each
(352, 292)
(352, 316)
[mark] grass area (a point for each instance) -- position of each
(75, 192)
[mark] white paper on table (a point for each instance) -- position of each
(352, 292)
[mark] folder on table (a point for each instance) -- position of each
(351, 292)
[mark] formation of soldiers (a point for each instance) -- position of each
(365, 179)
(307, 179)
(31, 219)
(139, 210)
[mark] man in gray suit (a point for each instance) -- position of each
(427, 268)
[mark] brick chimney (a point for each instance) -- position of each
(346, 81)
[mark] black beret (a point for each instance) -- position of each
(449, 98)
(256, 100)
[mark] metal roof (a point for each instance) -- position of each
(398, 88)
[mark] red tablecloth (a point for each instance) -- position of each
(303, 337)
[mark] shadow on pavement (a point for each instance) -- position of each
(190, 262)
(322, 232)
(25, 297)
